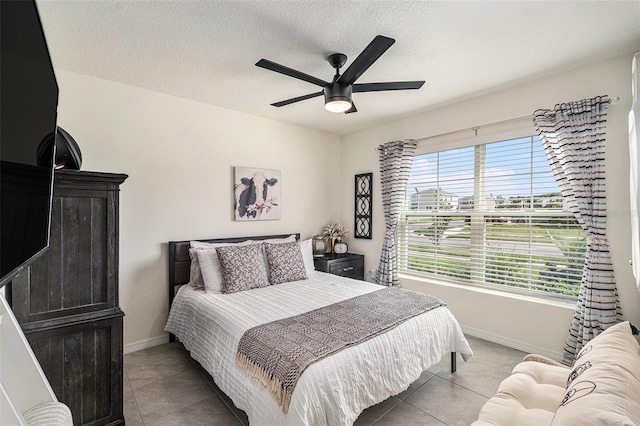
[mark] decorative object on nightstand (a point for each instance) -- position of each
(340, 247)
(363, 209)
(319, 244)
(346, 265)
(335, 232)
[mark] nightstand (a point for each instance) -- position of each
(346, 265)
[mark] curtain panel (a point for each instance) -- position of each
(573, 137)
(395, 164)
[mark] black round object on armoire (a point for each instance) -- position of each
(68, 155)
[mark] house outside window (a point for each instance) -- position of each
(491, 215)
(432, 198)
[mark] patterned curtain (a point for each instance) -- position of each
(395, 164)
(573, 137)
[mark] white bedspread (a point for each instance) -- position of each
(333, 391)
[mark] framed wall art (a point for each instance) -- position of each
(363, 206)
(257, 194)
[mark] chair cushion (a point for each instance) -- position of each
(528, 397)
(48, 414)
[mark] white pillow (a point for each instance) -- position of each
(210, 265)
(306, 247)
(195, 273)
(202, 245)
(278, 240)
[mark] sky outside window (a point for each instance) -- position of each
(515, 168)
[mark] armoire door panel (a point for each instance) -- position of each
(77, 361)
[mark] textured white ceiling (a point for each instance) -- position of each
(206, 50)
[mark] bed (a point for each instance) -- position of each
(331, 391)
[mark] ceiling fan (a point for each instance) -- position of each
(338, 92)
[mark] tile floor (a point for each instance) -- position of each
(164, 387)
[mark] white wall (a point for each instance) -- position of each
(521, 322)
(179, 156)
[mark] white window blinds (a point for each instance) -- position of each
(491, 215)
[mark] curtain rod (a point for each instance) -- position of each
(611, 101)
(475, 128)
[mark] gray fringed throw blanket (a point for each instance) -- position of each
(276, 353)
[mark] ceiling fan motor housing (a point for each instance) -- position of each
(337, 92)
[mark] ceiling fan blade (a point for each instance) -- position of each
(352, 109)
(397, 85)
(298, 99)
(369, 55)
(272, 66)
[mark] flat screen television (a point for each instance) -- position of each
(28, 110)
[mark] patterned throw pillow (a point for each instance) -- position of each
(242, 267)
(285, 262)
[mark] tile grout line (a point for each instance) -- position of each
(403, 400)
(420, 409)
(464, 387)
(133, 395)
(429, 414)
(140, 388)
(216, 390)
(224, 401)
(388, 411)
(410, 404)
(416, 389)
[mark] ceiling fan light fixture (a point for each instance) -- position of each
(337, 105)
(337, 97)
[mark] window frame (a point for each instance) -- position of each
(451, 141)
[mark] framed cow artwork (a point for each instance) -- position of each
(257, 194)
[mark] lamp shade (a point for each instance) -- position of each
(337, 97)
(68, 155)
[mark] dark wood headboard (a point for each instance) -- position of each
(180, 262)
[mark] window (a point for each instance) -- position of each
(491, 215)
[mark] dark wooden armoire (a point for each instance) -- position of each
(67, 301)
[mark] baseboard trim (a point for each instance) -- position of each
(511, 343)
(146, 343)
